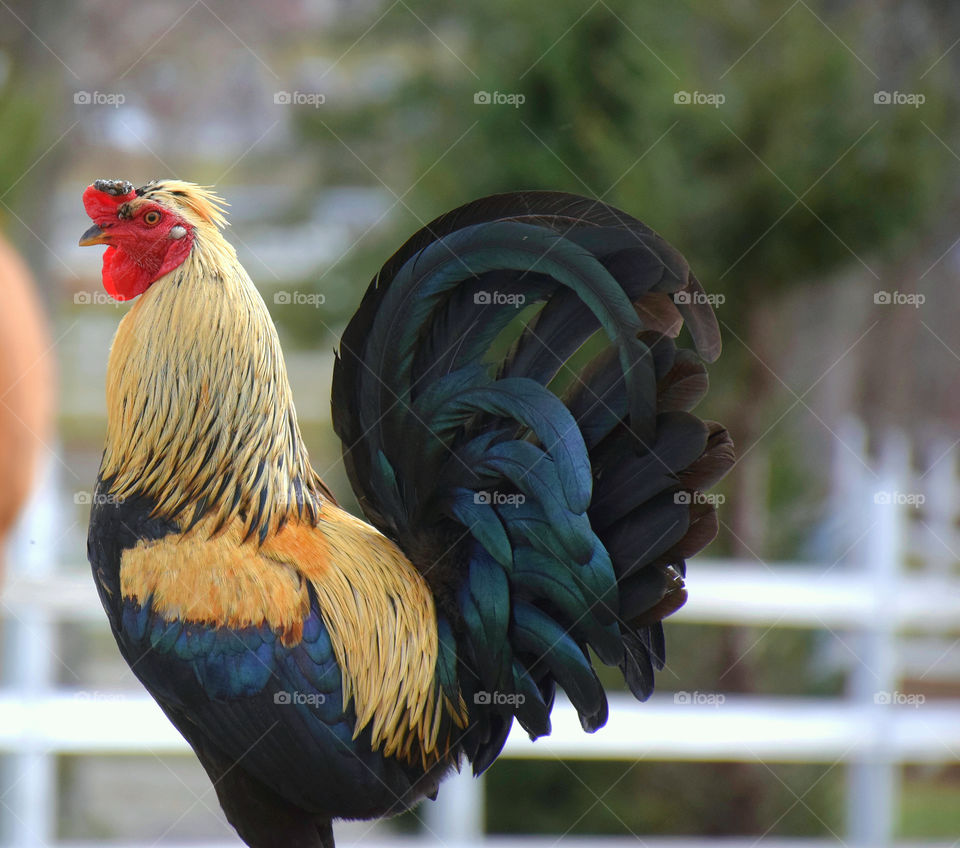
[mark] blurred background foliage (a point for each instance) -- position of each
(797, 199)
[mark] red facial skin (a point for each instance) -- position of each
(140, 249)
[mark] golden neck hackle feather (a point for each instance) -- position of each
(200, 414)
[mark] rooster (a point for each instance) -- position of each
(515, 420)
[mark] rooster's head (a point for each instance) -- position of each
(149, 231)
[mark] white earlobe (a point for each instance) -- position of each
(178, 232)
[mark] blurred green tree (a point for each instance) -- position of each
(32, 112)
(796, 174)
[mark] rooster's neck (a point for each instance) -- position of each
(200, 414)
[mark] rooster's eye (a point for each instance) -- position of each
(152, 217)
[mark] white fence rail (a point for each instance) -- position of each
(869, 597)
(746, 729)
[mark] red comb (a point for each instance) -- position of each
(102, 199)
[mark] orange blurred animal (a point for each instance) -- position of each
(26, 387)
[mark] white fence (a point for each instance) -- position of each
(868, 597)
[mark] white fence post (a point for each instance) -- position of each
(457, 816)
(872, 791)
(29, 790)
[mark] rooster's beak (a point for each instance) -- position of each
(94, 236)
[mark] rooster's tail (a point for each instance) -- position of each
(515, 414)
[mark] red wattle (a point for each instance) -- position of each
(123, 279)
